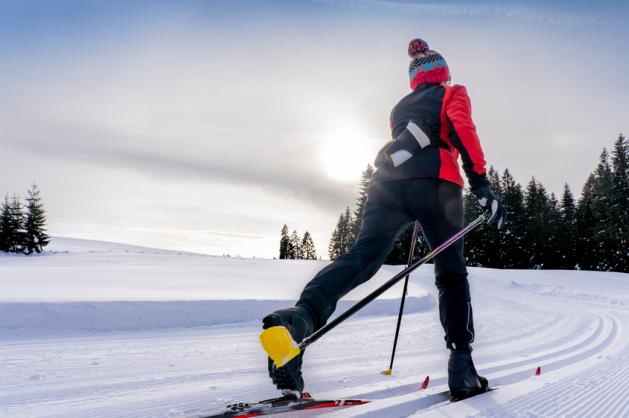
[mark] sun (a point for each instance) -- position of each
(344, 153)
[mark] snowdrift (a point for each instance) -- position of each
(97, 286)
(138, 315)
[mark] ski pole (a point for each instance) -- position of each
(399, 317)
(278, 343)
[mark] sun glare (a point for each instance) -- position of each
(345, 153)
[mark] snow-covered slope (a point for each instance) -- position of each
(574, 325)
(99, 286)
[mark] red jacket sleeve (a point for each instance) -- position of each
(464, 138)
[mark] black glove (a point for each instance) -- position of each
(491, 205)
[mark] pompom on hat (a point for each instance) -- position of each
(426, 66)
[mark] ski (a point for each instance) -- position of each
(282, 404)
(306, 402)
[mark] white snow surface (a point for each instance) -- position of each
(96, 329)
(98, 286)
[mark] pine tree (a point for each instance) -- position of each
(484, 247)
(536, 211)
(5, 225)
(474, 249)
(602, 215)
(308, 247)
(619, 206)
(16, 226)
(333, 245)
(294, 247)
(284, 243)
(491, 239)
(290, 249)
(586, 225)
(361, 200)
(347, 236)
(342, 238)
(35, 237)
(603, 235)
(512, 245)
(566, 232)
(552, 219)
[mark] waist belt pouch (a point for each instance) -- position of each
(408, 144)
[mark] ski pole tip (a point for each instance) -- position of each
(279, 345)
(387, 372)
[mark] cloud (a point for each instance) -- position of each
(238, 160)
(180, 108)
(525, 12)
(200, 233)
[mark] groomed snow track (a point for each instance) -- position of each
(505, 376)
(574, 325)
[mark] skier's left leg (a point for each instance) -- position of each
(297, 320)
(383, 220)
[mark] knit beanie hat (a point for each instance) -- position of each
(426, 66)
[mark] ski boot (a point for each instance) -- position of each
(463, 380)
(288, 378)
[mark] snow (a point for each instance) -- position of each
(97, 286)
(98, 329)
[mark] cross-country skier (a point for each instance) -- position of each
(417, 178)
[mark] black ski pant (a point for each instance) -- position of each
(438, 206)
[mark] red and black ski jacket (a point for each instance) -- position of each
(431, 126)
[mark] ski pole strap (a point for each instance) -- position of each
(386, 286)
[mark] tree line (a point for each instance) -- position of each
(348, 225)
(542, 232)
(23, 226)
(295, 248)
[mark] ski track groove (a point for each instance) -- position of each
(584, 348)
(579, 334)
(604, 397)
(598, 330)
(401, 411)
(532, 330)
(624, 406)
(561, 399)
(531, 362)
(184, 405)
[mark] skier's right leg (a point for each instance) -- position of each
(441, 219)
(383, 220)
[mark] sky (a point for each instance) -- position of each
(207, 125)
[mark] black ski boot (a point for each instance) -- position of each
(463, 380)
(297, 320)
